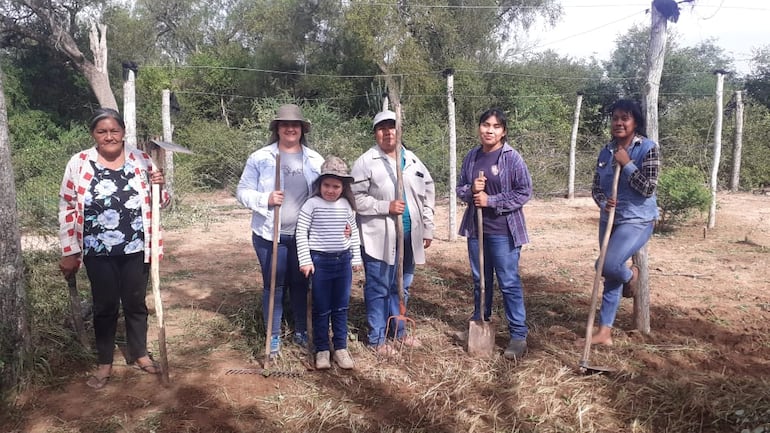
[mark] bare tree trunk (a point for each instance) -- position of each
(96, 73)
(656, 54)
(14, 329)
(60, 39)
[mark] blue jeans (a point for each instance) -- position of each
(501, 257)
(332, 279)
(625, 240)
(381, 292)
(288, 277)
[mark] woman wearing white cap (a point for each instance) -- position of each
(300, 167)
(374, 187)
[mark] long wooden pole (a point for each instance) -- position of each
(155, 276)
(735, 181)
(168, 136)
(573, 146)
(129, 109)
(273, 262)
(712, 221)
(599, 269)
(450, 99)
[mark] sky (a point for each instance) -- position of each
(590, 27)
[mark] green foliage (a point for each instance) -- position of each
(681, 191)
(758, 82)
(41, 150)
(220, 153)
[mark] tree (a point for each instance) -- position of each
(758, 83)
(56, 26)
(14, 329)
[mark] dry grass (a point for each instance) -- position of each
(705, 368)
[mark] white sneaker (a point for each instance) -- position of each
(343, 359)
(322, 360)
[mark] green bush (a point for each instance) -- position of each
(681, 192)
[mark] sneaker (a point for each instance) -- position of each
(343, 359)
(515, 349)
(322, 360)
(275, 346)
(300, 339)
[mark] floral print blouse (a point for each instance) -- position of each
(76, 183)
(113, 214)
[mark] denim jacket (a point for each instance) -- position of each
(637, 185)
(258, 181)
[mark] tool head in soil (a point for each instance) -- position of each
(481, 338)
(400, 324)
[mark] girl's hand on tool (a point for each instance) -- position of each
(307, 270)
(275, 199)
(480, 199)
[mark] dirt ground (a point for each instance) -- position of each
(709, 314)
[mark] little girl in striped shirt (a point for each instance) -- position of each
(330, 256)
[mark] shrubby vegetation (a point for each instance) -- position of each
(682, 192)
(229, 72)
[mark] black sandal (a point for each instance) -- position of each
(97, 382)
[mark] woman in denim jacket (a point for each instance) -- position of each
(300, 167)
(636, 207)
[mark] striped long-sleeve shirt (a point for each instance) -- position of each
(321, 227)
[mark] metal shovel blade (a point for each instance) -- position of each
(481, 338)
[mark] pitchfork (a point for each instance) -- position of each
(399, 321)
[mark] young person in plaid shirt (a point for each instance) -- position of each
(636, 208)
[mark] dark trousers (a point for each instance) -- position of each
(288, 280)
(332, 279)
(116, 281)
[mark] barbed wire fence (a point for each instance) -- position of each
(546, 157)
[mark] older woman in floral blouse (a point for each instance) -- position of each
(104, 221)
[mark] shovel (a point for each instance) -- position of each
(155, 276)
(481, 333)
(77, 312)
(583, 364)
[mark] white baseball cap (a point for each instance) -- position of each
(383, 116)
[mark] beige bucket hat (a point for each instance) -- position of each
(335, 167)
(290, 112)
